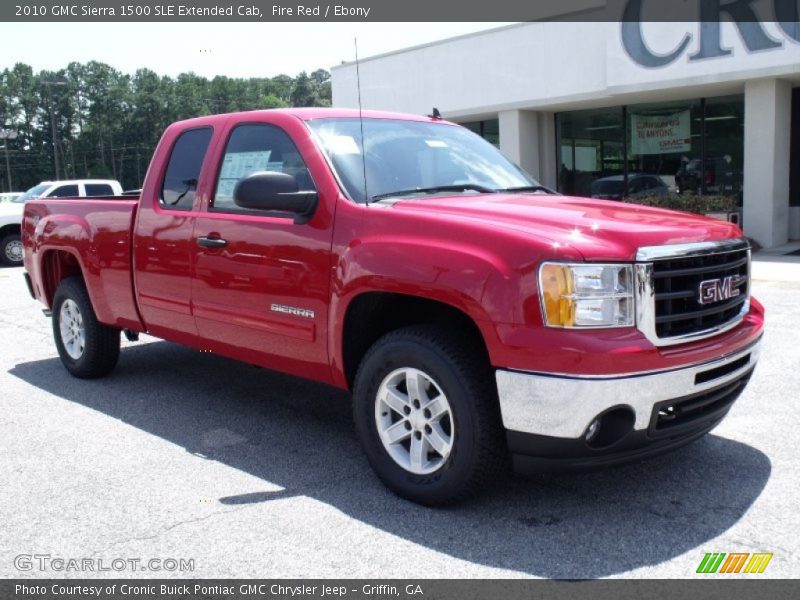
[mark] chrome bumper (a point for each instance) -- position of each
(564, 406)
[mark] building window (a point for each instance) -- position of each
(591, 150)
(683, 147)
(794, 159)
(488, 130)
(665, 141)
(724, 146)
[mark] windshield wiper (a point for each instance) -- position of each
(526, 188)
(458, 187)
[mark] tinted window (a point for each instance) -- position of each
(607, 186)
(637, 184)
(253, 148)
(64, 191)
(183, 170)
(653, 183)
(98, 189)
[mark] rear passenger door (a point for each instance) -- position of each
(164, 246)
(260, 291)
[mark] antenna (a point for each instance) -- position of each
(361, 123)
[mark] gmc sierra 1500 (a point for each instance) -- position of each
(473, 313)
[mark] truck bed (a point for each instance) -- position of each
(91, 234)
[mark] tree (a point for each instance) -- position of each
(109, 122)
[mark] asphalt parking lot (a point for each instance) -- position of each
(249, 473)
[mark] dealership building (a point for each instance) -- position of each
(596, 108)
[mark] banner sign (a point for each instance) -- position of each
(661, 134)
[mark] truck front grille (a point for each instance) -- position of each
(677, 292)
(692, 291)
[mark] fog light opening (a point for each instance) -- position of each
(592, 430)
(668, 413)
(609, 427)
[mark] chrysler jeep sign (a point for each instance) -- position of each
(711, 15)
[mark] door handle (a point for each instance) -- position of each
(208, 242)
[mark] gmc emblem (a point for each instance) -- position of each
(717, 290)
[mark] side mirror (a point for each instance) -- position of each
(276, 192)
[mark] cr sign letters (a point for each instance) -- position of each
(712, 12)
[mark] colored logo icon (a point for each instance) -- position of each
(734, 562)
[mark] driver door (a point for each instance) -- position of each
(261, 282)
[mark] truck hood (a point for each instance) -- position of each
(598, 229)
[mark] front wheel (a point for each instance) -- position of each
(426, 413)
(11, 250)
(87, 348)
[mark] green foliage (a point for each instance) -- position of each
(108, 122)
(312, 90)
(693, 203)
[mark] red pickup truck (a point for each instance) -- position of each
(474, 314)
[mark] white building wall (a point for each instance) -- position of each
(498, 70)
(556, 66)
(528, 138)
(767, 125)
(522, 74)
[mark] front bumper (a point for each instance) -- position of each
(547, 416)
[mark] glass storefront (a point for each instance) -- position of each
(591, 144)
(794, 159)
(683, 147)
(488, 130)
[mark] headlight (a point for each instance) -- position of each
(586, 295)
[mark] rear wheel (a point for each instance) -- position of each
(11, 249)
(425, 410)
(87, 348)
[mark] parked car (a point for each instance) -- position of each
(11, 212)
(72, 188)
(639, 185)
(10, 197)
(405, 259)
(719, 176)
(10, 244)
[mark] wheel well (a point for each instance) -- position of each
(8, 229)
(374, 314)
(57, 265)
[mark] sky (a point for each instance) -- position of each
(209, 49)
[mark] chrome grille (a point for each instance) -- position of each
(671, 309)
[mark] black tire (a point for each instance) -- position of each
(100, 350)
(456, 365)
(11, 250)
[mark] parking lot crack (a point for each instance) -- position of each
(166, 529)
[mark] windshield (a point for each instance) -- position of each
(34, 192)
(414, 157)
(607, 186)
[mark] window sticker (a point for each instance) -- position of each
(237, 165)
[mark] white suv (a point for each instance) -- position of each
(10, 221)
(72, 188)
(11, 212)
